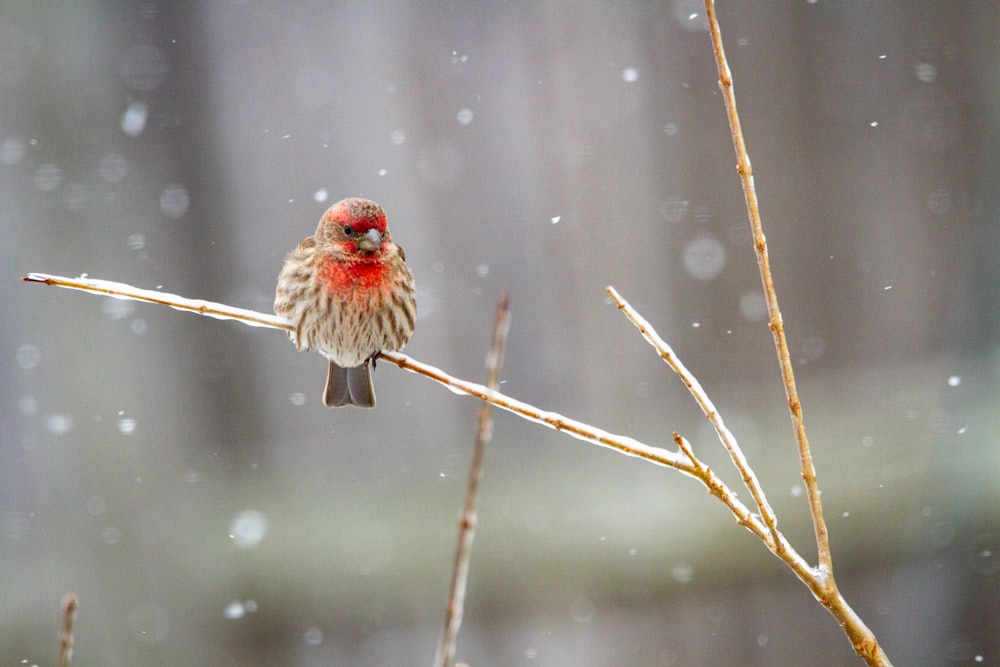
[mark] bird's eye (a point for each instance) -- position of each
(348, 230)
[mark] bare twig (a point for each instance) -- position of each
(219, 311)
(818, 581)
(764, 265)
(680, 461)
(822, 583)
(468, 519)
(666, 353)
(69, 606)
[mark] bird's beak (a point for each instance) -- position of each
(371, 241)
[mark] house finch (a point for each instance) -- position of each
(350, 295)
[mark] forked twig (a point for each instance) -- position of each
(681, 460)
(684, 460)
(468, 520)
(678, 460)
(666, 353)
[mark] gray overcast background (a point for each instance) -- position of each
(182, 477)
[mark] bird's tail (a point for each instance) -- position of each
(349, 386)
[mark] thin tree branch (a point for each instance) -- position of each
(468, 520)
(680, 461)
(219, 311)
(776, 324)
(666, 353)
(821, 582)
(554, 420)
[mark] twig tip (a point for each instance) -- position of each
(503, 302)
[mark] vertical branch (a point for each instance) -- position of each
(69, 606)
(821, 582)
(467, 521)
(775, 322)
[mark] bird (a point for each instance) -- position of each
(349, 295)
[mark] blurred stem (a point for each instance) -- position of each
(468, 519)
(69, 606)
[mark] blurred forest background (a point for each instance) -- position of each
(181, 475)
